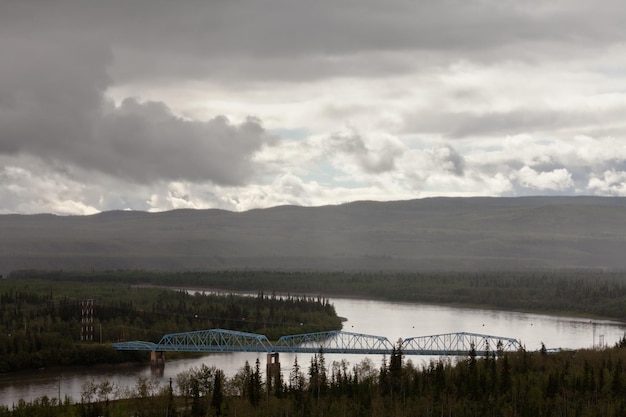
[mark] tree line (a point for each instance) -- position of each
(589, 292)
(568, 383)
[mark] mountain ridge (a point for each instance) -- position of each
(434, 234)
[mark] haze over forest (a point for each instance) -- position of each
(425, 234)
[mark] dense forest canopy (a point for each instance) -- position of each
(40, 320)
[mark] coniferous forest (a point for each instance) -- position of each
(588, 292)
(581, 383)
(40, 320)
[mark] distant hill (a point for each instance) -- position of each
(425, 234)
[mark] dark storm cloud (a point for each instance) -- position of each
(52, 89)
(146, 142)
(286, 39)
(52, 106)
(290, 40)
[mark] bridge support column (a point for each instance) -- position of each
(272, 370)
(157, 359)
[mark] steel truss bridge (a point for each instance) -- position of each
(224, 341)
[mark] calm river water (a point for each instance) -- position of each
(380, 318)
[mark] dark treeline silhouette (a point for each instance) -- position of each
(590, 292)
(40, 321)
(525, 384)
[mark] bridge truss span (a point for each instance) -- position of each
(135, 345)
(214, 340)
(459, 344)
(339, 342)
(333, 342)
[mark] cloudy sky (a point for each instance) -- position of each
(240, 104)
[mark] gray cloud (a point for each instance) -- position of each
(286, 40)
(449, 158)
(51, 89)
(280, 39)
(52, 105)
(369, 161)
(505, 123)
(146, 142)
(309, 66)
(512, 122)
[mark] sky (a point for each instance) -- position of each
(157, 105)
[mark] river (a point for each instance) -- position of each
(381, 318)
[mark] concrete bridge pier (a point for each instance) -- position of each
(157, 359)
(272, 370)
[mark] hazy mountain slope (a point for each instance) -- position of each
(438, 233)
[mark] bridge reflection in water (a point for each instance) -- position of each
(220, 340)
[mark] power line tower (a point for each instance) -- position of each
(86, 319)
